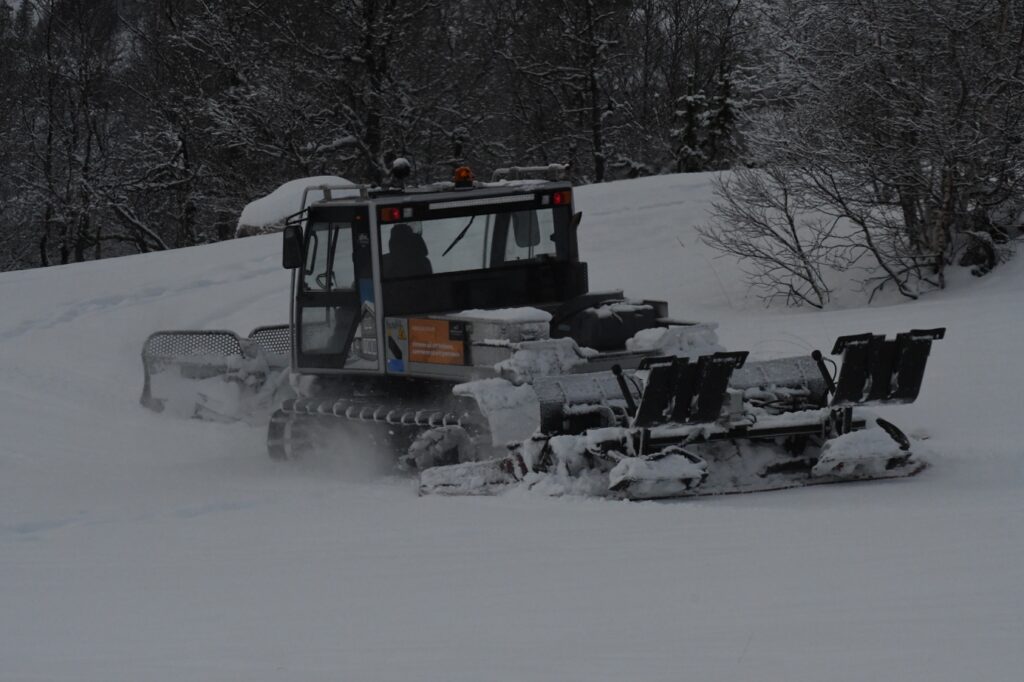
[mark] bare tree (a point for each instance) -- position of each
(784, 245)
(137, 125)
(905, 119)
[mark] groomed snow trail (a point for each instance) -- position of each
(138, 547)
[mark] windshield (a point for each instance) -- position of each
(486, 240)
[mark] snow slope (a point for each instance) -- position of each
(138, 547)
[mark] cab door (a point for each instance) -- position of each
(335, 316)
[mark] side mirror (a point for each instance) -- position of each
(576, 218)
(291, 254)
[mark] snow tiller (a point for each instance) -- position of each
(714, 425)
(448, 321)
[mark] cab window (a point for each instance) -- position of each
(329, 257)
(532, 234)
(485, 240)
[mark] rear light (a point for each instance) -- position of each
(563, 198)
(390, 214)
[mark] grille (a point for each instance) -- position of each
(197, 355)
(192, 343)
(274, 340)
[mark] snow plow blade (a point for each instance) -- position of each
(876, 370)
(720, 425)
(214, 375)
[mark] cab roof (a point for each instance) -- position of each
(447, 192)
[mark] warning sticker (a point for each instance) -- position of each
(435, 342)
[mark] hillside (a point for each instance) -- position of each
(140, 547)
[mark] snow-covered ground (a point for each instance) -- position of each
(140, 547)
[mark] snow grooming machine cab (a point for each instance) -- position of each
(447, 322)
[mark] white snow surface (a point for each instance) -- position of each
(136, 546)
(511, 315)
(690, 341)
(272, 209)
(866, 451)
(513, 411)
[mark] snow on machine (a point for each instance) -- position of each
(454, 325)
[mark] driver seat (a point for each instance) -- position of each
(407, 254)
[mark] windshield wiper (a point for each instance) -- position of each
(458, 238)
(332, 243)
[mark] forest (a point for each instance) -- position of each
(886, 135)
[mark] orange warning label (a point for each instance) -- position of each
(431, 341)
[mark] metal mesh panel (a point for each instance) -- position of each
(274, 340)
(196, 354)
(192, 343)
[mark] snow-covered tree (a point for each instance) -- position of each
(134, 125)
(905, 119)
(687, 56)
(68, 111)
